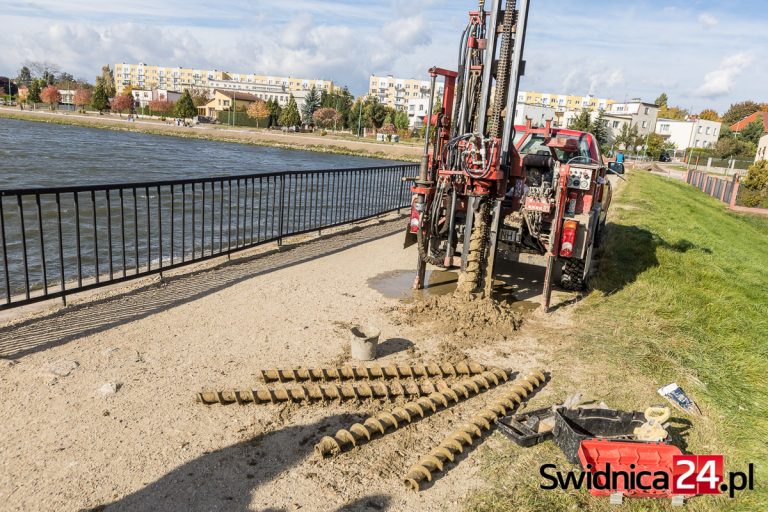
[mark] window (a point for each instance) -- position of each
(616, 124)
(645, 124)
(647, 110)
(708, 130)
(664, 128)
(700, 127)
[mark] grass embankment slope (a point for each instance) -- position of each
(681, 295)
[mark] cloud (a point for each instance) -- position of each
(721, 81)
(707, 20)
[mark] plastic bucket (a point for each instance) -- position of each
(363, 342)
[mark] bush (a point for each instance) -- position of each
(755, 186)
(324, 133)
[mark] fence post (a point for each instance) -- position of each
(735, 192)
(280, 214)
(400, 193)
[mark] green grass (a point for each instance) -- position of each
(681, 295)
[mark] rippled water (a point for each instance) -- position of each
(34, 154)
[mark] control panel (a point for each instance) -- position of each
(580, 179)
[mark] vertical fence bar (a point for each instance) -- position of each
(109, 235)
(23, 245)
(160, 226)
(42, 243)
(253, 201)
(237, 235)
(77, 237)
(213, 215)
(221, 218)
(149, 231)
(194, 220)
(202, 220)
(280, 213)
(184, 222)
(229, 216)
(122, 230)
(136, 230)
(62, 278)
(5, 254)
(173, 218)
(95, 235)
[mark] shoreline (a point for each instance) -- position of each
(239, 135)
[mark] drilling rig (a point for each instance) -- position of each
(488, 189)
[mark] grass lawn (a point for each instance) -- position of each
(681, 295)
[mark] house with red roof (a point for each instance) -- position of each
(763, 116)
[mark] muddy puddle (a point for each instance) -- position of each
(518, 288)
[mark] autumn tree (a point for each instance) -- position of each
(290, 115)
(82, 98)
(161, 107)
(709, 115)
(108, 81)
(327, 118)
(739, 111)
(51, 96)
(121, 103)
(258, 110)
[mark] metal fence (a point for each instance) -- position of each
(57, 241)
(719, 188)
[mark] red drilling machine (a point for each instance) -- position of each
(487, 188)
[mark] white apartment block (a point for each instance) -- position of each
(417, 110)
(762, 149)
(538, 114)
(398, 92)
(178, 79)
(692, 133)
(564, 102)
(635, 113)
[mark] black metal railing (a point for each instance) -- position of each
(57, 241)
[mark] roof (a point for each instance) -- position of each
(236, 95)
(737, 127)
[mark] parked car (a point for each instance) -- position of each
(616, 167)
(664, 157)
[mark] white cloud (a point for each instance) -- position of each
(707, 20)
(721, 81)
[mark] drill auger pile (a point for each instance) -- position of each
(392, 382)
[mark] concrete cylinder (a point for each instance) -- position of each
(363, 342)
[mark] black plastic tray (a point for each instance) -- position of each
(572, 426)
(515, 427)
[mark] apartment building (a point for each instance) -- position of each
(691, 133)
(399, 92)
(143, 76)
(635, 113)
(142, 97)
(564, 102)
(281, 93)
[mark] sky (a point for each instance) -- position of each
(703, 53)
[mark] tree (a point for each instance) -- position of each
(673, 113)
(628, 138)
(388, 128)
(100, 99)
(311, 104)
(258, 110)
(709, 115)
(582, 122)
(33, 95)
(657, 144)
(6, 83)
(51, 96)
(82, 98)
(274, 112)
(25, 76)
(290, 116)
(108, 81)
(354, 117)
(121, 103)
(185, 107)
(374, 113)
(739, 111)
(662, 100)
(753, 131)
(599, 128)
(402, 122)
(731, 147)
(199, 96)
(757, 177)
(327, 118)
(160, 106)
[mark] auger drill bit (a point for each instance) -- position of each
(358, 391)
(454, 444)
(389, 421)
(373, 372)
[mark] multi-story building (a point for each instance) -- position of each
(143, 76)
(279, 92)
(691, 133)
(634, 113)
(564, 102)
(399, 92)
(142, 97)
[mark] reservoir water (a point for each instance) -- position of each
(34, 154)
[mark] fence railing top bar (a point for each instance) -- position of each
(211, 179)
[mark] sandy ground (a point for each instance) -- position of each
(68, 443)
(233, 134)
